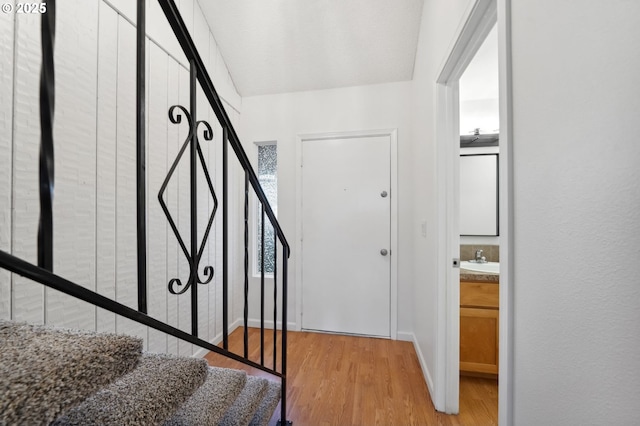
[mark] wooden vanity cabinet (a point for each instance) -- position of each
(479, 313)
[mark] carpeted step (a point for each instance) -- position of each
(45, 371)
(267, 405)
(208, 404)
(244, 407)
(146, 396)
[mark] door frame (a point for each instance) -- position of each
(478, 20)
(393, 251)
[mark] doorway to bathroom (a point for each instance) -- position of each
(481, 19)
(479, 231)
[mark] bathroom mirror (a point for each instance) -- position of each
(479, 195)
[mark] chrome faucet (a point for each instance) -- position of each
(479, 257)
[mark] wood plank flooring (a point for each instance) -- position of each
(347, 380)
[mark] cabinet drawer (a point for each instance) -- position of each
(479, 294)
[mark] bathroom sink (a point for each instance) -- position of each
(487, 267)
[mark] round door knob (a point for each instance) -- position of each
(383, 194)
(384, 252)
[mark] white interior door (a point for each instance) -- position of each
(346, 235)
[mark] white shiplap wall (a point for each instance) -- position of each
(6, 136)
(75, 186)
(94, 204)
(28, 299)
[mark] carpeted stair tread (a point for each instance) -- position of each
(267, 405)
(45, 371)
(208, 404)
(146, 396)
(244, 407)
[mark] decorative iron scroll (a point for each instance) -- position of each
(175, 285)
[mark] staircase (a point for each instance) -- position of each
(66, 377)
(70, 377)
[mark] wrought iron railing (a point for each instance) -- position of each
(43, 272)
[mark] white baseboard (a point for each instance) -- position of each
(269, 324)
(201, 352)
(423, 364)
(405, 336)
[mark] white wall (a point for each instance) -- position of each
(283, 117)
(577, 206)
(479, 113)
(440, 18)
(577, 212)
(479, 89)
(6, 134)
(94, 203)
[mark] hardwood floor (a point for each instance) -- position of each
(346, 380)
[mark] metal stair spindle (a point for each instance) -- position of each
(193, 278)
(47, 102)
(283, 367)
(246, 265)
(141, 195)
(261, 284)
(275, 299)
(225, 241)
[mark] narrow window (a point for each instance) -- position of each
(268, 177)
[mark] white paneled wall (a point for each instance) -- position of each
(28, 299)
(156, 172)
(74, 207)
(126, 270)
(6, 133)
(183, 213)
(173, 250)
(106, 166)
(94, 203)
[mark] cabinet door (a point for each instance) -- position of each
(479, 340)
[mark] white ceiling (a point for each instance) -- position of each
(279, 46)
